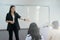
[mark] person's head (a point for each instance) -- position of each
(34, 31)
(33, 25)
(55, 24)
(33, 28)
(12, 9)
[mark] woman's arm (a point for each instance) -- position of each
(18, 16)
(10, 22)
(24, 19)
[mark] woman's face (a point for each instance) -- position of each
(13, 9)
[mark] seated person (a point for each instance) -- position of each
(33, 32)
(54, 33)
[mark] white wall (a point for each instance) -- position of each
(55, 10)
(40, 2)
(54, 5)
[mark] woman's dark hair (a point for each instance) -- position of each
(11, 7)
(34, 31)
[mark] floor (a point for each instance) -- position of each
(4, 34)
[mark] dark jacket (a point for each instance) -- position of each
(16, 24)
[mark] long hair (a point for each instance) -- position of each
(11, 7)
(34, 31)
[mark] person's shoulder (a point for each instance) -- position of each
(8, 13)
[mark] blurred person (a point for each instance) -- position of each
(54, 33)
(33, 32)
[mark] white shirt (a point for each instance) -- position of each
(13, 18)
(54, 34)
(28, 37)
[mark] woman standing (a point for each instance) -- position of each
(13, 25)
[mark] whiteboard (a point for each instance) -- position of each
(37, 14)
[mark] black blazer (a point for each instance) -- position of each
(16, 24)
